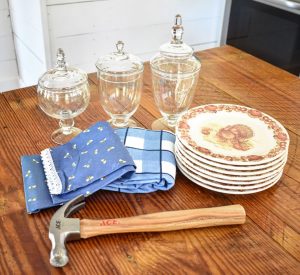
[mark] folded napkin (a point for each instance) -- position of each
(97, 159)
(93, 159)
(153, 155)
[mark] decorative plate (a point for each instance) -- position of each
(239, 191)
(228, 179)
(244, 167)
(229, 186)
(197, 164)
(232, 134)
(227, 167)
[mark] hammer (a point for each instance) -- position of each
(64, 229)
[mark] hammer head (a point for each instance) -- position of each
(63, 229)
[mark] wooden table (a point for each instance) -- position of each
(268, 243)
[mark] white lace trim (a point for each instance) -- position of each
(53, 181)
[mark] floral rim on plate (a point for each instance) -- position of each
(280, 135)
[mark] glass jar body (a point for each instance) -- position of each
(120, 95)
(174, 82)
(64, 103)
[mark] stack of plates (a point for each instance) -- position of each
(230, 148)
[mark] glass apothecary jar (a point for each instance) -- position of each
(63, 93)
(175, 73)
(120, 80)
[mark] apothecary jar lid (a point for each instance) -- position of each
(176, 47)
(176, 51)
(119, 63)
(62, 77)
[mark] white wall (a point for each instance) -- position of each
(28, 32)
(8, 65)
(88, 29)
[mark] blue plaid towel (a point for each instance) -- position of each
(153, 155)
(106, 165)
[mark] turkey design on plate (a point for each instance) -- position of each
(231, 149)
(233, 134)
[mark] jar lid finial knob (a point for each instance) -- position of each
(177, 30)
(120, 47)
(60, 59)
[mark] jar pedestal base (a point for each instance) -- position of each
(61, 136)
(161, 124)
(130, 123)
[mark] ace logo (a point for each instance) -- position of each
(108, 222)
(58, 224)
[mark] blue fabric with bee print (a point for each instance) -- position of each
(93, 159)
(98, 160)
(93, 155)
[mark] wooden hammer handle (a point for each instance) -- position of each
(165, 221)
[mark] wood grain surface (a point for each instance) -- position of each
(268, 243)
(166, 221)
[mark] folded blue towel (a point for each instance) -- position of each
(111, 168)
(153, 155)
(94, 154)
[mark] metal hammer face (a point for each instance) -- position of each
(63, 229)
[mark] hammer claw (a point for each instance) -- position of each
(73, 205)
(74, 208)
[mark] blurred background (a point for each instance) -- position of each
(31, 31)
